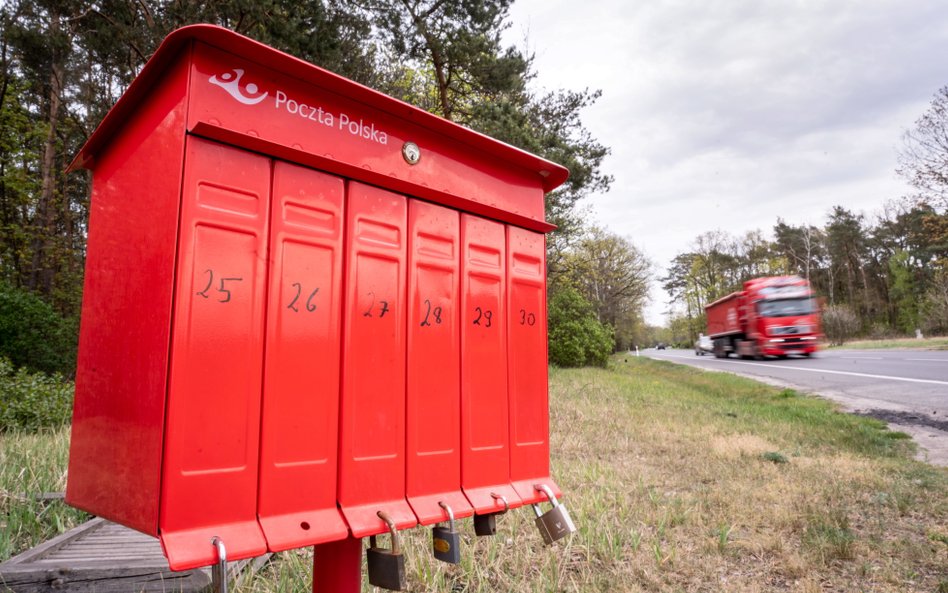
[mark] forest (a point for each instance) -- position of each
(65, 63)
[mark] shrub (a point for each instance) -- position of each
(839, 324)
(30, 401)
(576, 337)
(34, 335)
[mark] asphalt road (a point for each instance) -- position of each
(904, 387)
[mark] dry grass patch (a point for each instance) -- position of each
(674, 480)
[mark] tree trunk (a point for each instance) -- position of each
(41, 275)
(437, 59)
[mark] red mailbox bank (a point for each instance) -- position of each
(305, 303)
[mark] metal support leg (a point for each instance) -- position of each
(337, 567)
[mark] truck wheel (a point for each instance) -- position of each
(756, 353)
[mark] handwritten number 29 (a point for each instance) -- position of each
(483, 315)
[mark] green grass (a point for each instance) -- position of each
(897, 344)
(32, 465)
(676, 482)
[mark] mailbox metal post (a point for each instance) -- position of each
(337, 566)
(270, 250)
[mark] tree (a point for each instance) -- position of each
(801, 246)
(457, 67)
(576, 337)
(923, 158)
(65, 62)
(458, 42)
(846, 244)
(614, 276)
(934, 307)
(904, 291)
(550, 126)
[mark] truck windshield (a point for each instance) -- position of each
(785, 307)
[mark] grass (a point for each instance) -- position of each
(897, 343)
(678, 480)
(31, 465)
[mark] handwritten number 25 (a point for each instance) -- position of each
(222, 289)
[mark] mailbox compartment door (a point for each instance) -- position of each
(299, 430)
(527, 364)
(372, 412)
(209, 476)
(485, 445)
(433, 424)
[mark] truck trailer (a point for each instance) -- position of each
(772, 316)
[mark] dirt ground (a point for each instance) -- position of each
(930, 433)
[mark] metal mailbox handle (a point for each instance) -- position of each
(392, 529)
(219, 570)
(549, 493)
(502, 499)
(450, 513)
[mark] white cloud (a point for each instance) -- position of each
(731, 113)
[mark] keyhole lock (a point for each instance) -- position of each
(411, 152)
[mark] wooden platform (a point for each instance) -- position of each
(102, 557)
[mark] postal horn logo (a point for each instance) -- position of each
(230, 82)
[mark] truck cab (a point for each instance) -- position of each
(773, 316)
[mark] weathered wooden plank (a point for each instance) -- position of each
(103, 557)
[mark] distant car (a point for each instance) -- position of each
(703, 345)
(660, 346)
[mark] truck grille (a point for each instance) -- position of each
(789, 330)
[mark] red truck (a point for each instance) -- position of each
(773, 316)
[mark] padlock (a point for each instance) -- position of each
(556, 523)
(486, 524)
(446, 541)
(386, 568)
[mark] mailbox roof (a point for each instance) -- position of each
(551, 175)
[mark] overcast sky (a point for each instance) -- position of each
(727, 114)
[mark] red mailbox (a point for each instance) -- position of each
(485, 415)
(527, 364)
(303, 306)
(299, 429)
(434, 364)
(372, 423)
